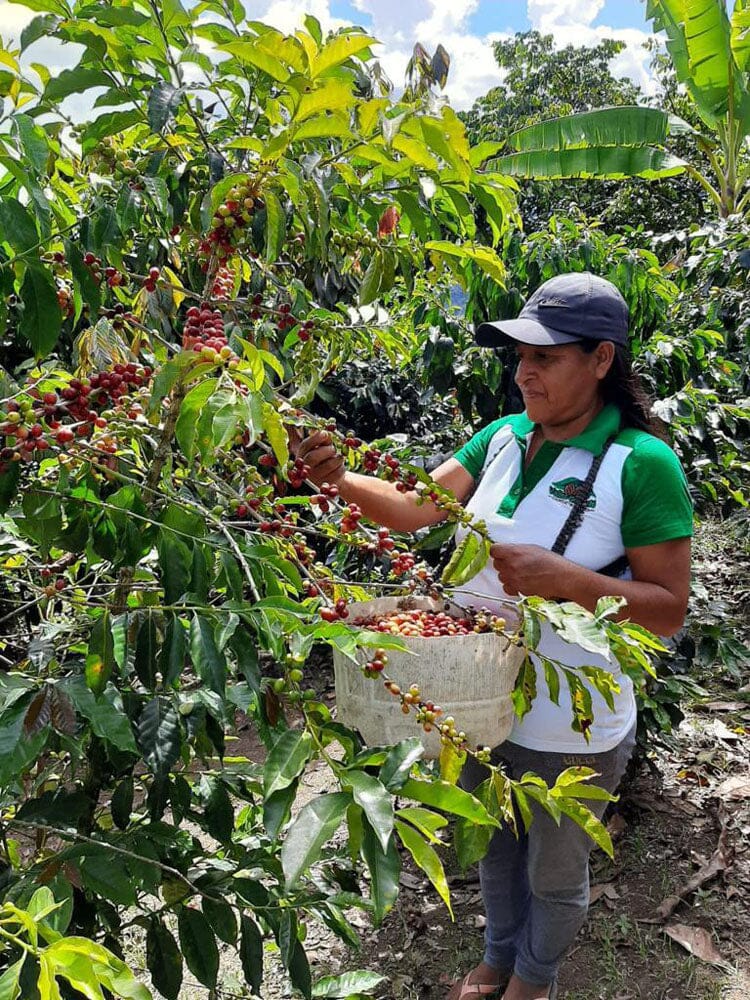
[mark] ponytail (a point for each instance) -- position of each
(622, 386)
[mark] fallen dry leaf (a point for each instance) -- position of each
(606, 889)
(737, 787)
(655, 804)
(616, 826)
(689, 774)
(723, 732)
(697, 941)
(410, 881)
(724, 706)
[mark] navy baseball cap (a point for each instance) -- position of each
(565, 309)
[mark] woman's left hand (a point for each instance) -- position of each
(530, 569)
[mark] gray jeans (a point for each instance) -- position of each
(536, 888)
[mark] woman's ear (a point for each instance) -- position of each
(604, 355)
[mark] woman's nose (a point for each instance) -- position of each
(524, 371)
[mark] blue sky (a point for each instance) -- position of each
(498, 16)
(507, 15)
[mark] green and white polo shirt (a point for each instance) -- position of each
(640, 497)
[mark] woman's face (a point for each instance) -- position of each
(561, 383)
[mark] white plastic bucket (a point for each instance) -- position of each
(470, 677)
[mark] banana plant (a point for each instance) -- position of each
(710, 51)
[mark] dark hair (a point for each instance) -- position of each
(622, 386)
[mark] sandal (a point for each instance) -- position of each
(477, 989)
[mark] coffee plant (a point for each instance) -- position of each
(242, 214)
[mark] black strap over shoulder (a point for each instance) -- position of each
(575, 517)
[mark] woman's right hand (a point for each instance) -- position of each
(318, 452)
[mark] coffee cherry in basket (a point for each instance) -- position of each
(431, 624)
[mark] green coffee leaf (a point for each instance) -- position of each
(41, 320)
(376, 802)
(10, 988)
(427, 859)
(209, 663)
(121, 804)
(104, 873)
(251, 953)
(162, 102)
(314, 826)
(287, 760)
(198, 945)
(449, 797)
(384, 868)
(426, 821)
(100, 658)
(147, 649)
(359, 982)
(275, 226)
(17, 225)
(399, 762)
(186, 429)
(163, 959)
(469, 558)
(158, 732)
(220, 916)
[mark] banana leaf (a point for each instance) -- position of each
(613, 126)
(602, 162)
(698, 39)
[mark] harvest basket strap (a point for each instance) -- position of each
(573, 522)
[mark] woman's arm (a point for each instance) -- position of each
(657, 595)
(379, 500)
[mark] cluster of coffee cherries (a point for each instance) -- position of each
(351, 515)
(323, 499)
(52, 587)
(228, 223)
(37, 421)
(377, 663)
(94, 264)
(204, 333)
(116, 161)
(427, 713)
(298, 473)
(306, 330)
(118, 316)
(149, 283)
(430, 716)
(65, 299)
(223, 285)
(402, 563)
(335, 613)
(432, 624)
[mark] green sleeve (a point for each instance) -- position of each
(474, 452)
(656, 501)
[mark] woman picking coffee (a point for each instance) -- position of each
(581, 501)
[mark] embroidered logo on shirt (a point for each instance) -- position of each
(567, 491)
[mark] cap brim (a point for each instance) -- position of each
(520, 331)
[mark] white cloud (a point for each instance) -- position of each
(288, 15)
(570, 22)
(13, 19)
(548, 15)
(399, 24)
